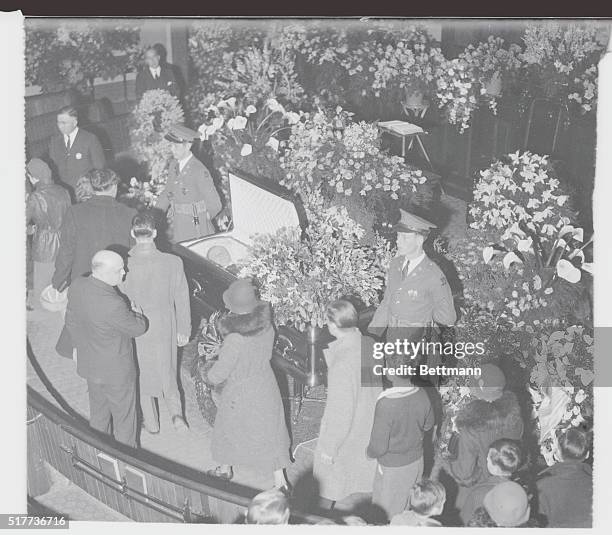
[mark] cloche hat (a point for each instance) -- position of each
(240, 297)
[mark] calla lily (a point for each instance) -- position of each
(566, 270)
(488, 253)
(272, 143)
(246, 150)
(510, 259)
(250, 109)
(206, 131)
(237, 123)
(576, 233)
(525, 245)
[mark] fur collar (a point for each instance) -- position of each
(247, 324)
(480, 414)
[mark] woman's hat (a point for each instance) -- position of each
(39, 170)
(52, 300)
(240, 297)
(490, 384)
(507, 504)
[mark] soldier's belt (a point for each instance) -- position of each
(189, 208)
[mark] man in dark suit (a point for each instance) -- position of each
(74, 152)
(101, 222)
(102, 327)
(155, 76)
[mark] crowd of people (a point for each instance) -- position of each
(127, 314)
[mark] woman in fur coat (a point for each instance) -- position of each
(494, 414)
(250, 427)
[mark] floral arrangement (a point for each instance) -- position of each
(72, 53)
(246, 133)
(557, 58)
(152, 117)
(329, 153)
(252, 69)
(521, 259)
(524, 201)
(209, 343)
(413, 64)
(522, 191)
(490, 64)
(561, 384)
(585, 89)
(301, 274)
(458, 92)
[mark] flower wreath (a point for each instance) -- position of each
(152, 117)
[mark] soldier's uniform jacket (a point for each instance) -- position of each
(422, 297)
(191, 200)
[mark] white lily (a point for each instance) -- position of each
(488, 253)
(237, 123)
(246, 150)
(217, 122)
(525, 245)
(272, 143)
(250, 109)
(510, 258)
(566, 270)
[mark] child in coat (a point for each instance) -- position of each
(425, 501)
(402, 415)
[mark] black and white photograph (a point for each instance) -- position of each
(323, 271)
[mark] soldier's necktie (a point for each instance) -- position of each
(405, 269)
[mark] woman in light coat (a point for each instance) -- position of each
(341, 466)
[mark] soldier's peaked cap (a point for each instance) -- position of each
(411, 223)
(178, 133)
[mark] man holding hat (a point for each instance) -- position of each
(190, 197)
(45, 209)
(417, 293)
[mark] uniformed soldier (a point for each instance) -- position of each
(189, 197)
(417, 294)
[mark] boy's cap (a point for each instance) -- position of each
(507, 504)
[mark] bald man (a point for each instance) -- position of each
(102, 327)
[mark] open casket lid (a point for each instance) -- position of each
(258, 210)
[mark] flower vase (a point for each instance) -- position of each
(494, 85)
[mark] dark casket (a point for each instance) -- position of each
(258, 207)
